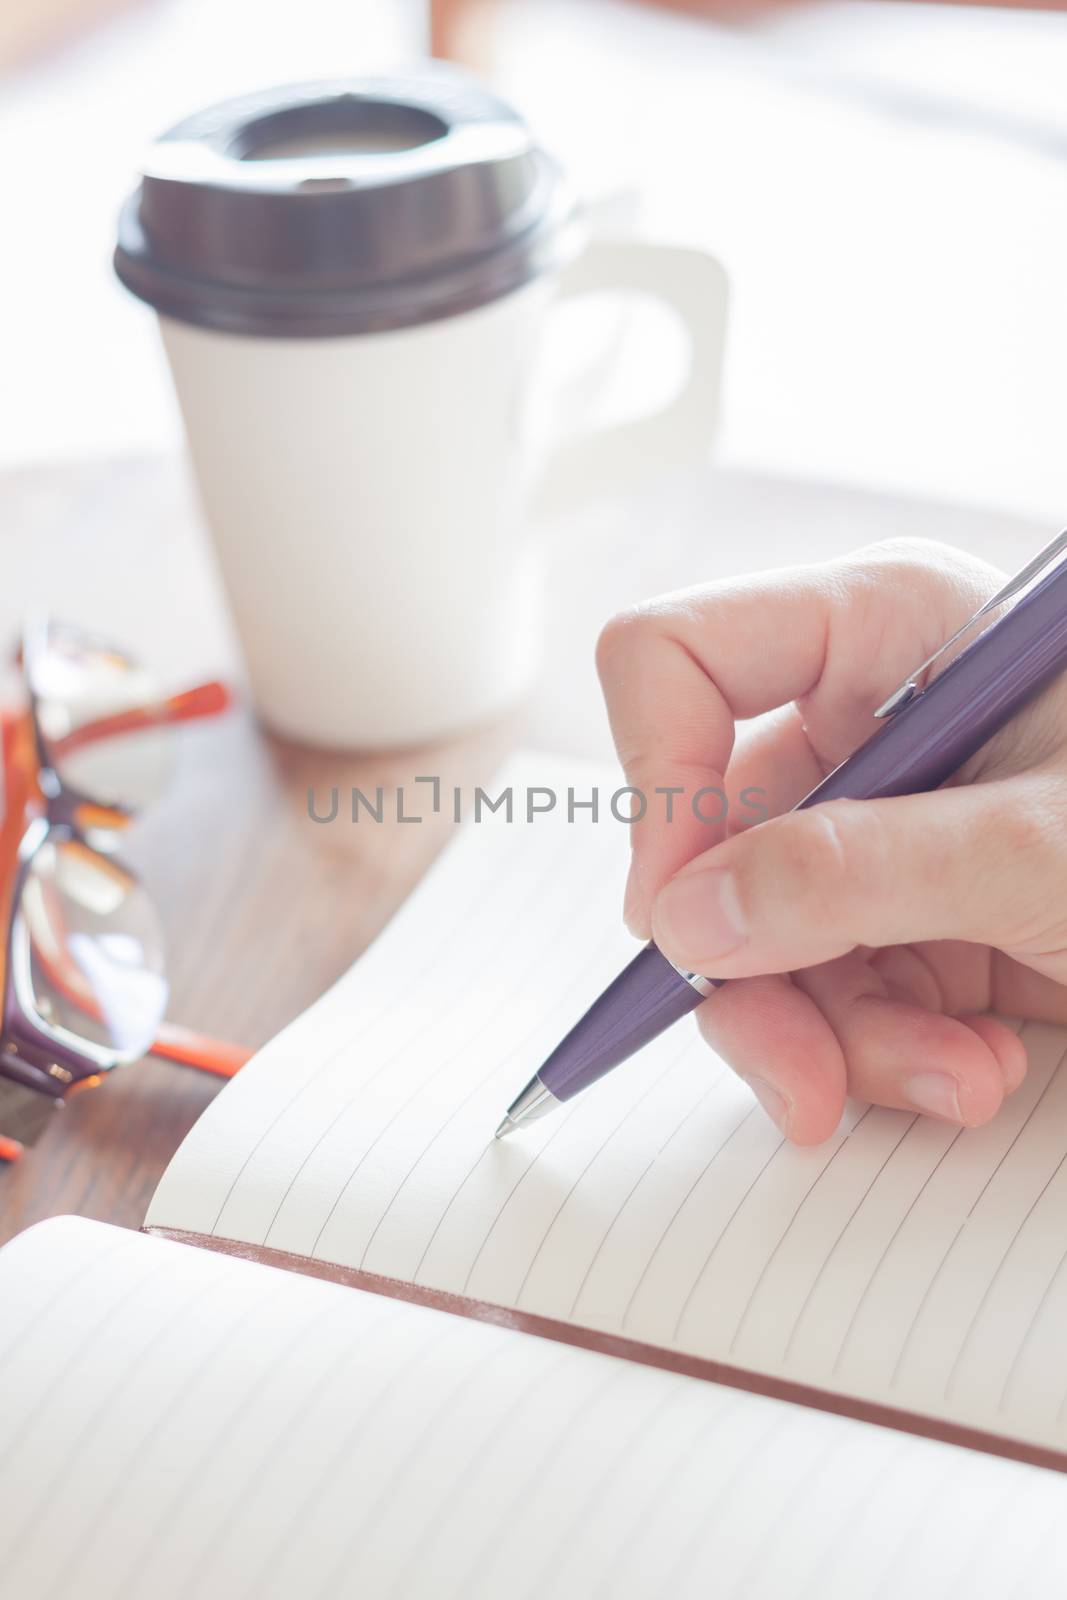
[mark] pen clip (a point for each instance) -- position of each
(915, 681)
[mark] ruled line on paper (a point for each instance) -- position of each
(705, 1428)
(512, 1514)
(425, 1031)
(849, 1220)
(430, 1422)
(519, 1049)
(588, 1497)
(129, 1287)
(443, 953)
(560, 1122)
(561, 1119)
(14, 1437)
(330, 1467)
(657, 1155)
(1023, 1589)
(999, 1165)
(325, 1379)
(921, 1307)
(64, 1287)
(657, 1204)
(720, 1236)
(740, 1471)
(458, 1486)
(1031, 1329)
(680, 1207)
(908, 1536)
(964, 1583)
(319, 1453)
(583, 1171)
(328, 1378)
(851, 1519)
(582, 1180)
(212, 1351)
(82, 1440)
(995, 1276)
(791, 1223)
(794, 1509)
(1053, 1075)
(912, 1203)
(259, 1391)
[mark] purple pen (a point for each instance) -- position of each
(927, 733)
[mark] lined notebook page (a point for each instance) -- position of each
(178, 1425)
(903, 1262)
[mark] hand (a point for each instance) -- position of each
(864, 940)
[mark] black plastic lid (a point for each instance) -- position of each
(343, 207)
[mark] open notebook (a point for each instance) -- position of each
(179, 1421)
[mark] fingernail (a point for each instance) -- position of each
(775, 1105)
(935, 1093)
(701, 914)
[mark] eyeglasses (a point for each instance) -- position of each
(83, 979)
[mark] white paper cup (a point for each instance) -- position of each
(354, 340)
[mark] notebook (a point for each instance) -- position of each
(642, 1348)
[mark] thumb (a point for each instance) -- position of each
(973, 863)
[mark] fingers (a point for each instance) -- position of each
(675, 674)
(965, 863)
(1016, 990)
(776, 1039)
(679, 672)
(773, 762)
(1008, 1049)
(906, 1056)
(803, 657)
(803, 1045)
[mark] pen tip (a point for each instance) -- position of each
(504, 1128)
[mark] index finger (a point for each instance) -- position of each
(679, 672)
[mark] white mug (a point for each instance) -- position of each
(369, 497)
(372, 494)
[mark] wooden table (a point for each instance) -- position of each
(263, 908)
(462, 30)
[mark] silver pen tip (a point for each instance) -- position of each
(534, 1101)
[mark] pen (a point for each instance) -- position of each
(928, 730)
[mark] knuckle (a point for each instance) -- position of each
(865, 573)
(1030, 830)
(620, 636)
(636, 631)
(963, 580)
(829, 857)
(1022, 831)
(1024, 828)
(906, 552)
(905, 560)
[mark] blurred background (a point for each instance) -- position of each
(885, 182)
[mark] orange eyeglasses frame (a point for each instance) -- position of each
(25, 804)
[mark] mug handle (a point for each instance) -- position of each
(621, 457)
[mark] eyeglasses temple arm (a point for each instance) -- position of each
(199, 1050)
(203, 700)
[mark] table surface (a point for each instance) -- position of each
(262, 907)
